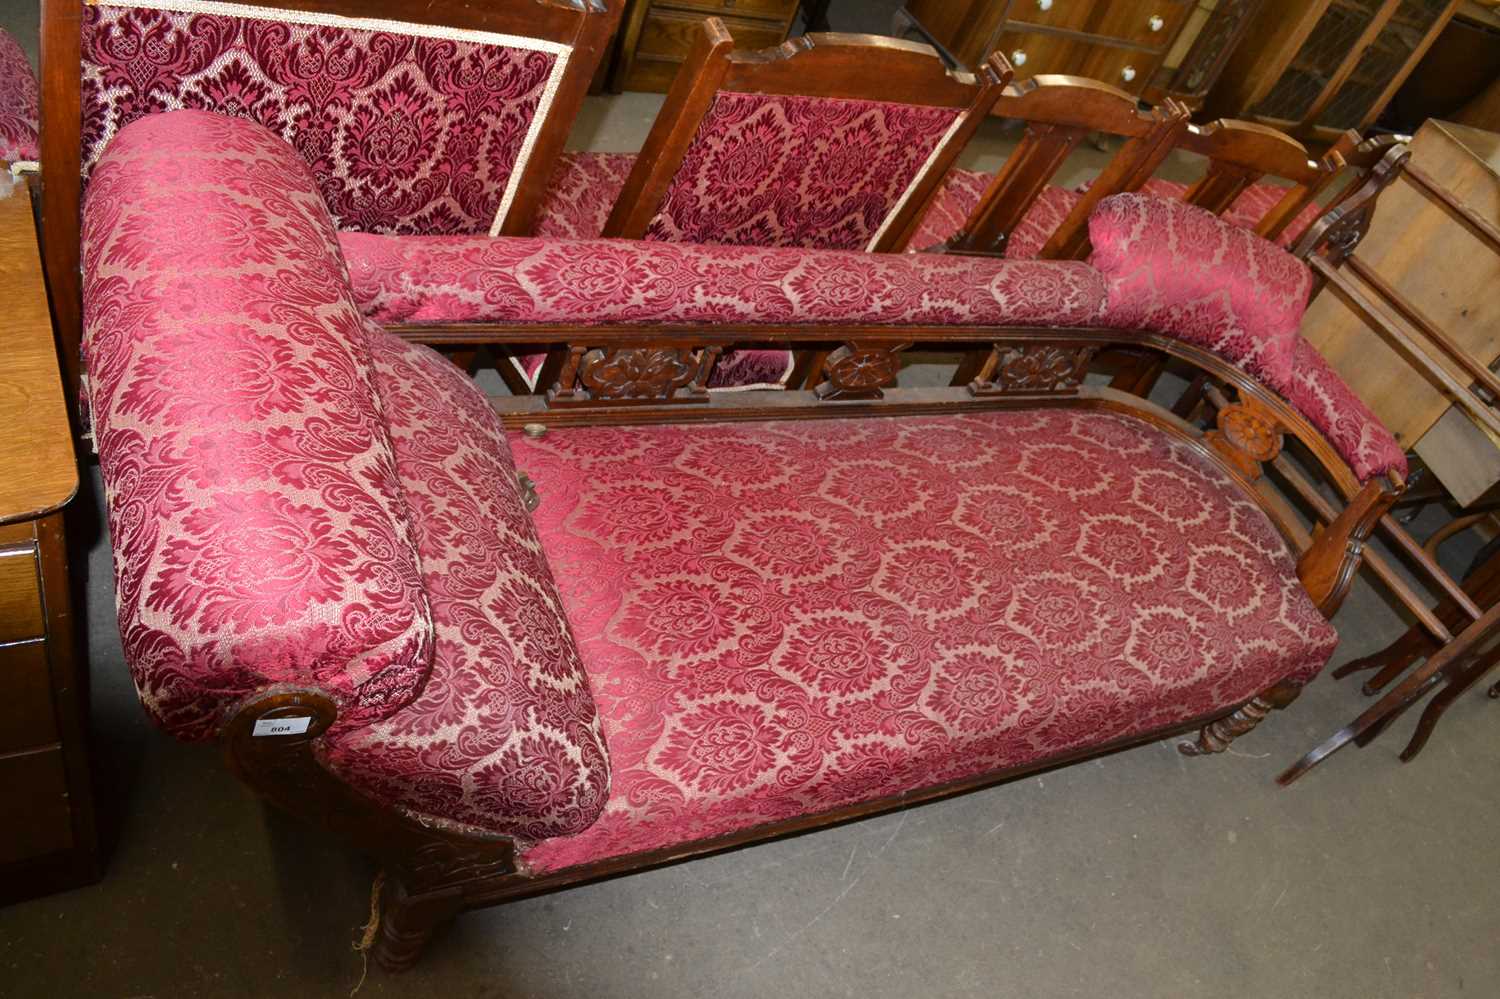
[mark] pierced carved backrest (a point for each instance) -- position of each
(798, 146)
(408, 128)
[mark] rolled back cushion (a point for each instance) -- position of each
(1175, 268)
(259, 531)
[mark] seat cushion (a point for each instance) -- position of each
(504, 737)
(784, 618)
(407, 279)
(1177, 269)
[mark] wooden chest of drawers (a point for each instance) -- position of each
(655, 36)
(1121, 42)
(47, 836)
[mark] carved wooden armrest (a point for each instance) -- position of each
(1327, 567)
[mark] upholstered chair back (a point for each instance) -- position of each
(408, 128)
(829, 142)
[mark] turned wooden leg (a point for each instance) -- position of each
(1393, 659)
(407, 922)
(1215, 737)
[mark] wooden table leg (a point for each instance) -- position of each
(1405, 694)
(1455, 689)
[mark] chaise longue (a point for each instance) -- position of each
(509, 645)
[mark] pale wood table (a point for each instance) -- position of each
(47, 833)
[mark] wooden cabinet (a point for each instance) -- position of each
(1122, 42)
(1318, 67)
(655, 36)
(47, 836)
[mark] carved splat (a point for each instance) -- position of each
(633, 375)
(1027, 369)
(858, 370)
(1215, 737)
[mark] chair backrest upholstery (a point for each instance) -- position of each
(802, 145)
(1059, 112)
(442, 117)
(18, 103)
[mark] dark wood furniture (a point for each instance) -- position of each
(840, 66)
(47, 835)
(584, 26)
(1122, 43)
(1318, 68)
(657, 35)
(1211, 43)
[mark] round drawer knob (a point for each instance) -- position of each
(1043, 4)
(1127, 74)
(1157, 22)
(1018, 58)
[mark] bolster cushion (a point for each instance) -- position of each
(403, 279)
(259, 528)
(1177, 269)
(505, 737)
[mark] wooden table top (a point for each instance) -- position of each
(38, 472)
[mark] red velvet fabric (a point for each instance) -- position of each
(959, 196)
(404, 133)
(259, 530)
(581, 194)
(403, 279)
(780, 170)
(504, 737)
(18, 103)
(783, 618)
(1177, 269)
(1248, 209)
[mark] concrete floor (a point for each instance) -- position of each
(1140, 875)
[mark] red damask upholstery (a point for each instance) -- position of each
(781, 170)
(782, 618)
(504, 737)
(260, 533)
(1177, 269)
(18, 103)
(405, 131)
(580, 194)
(960, 195)
(404, 279)
(1248, 209)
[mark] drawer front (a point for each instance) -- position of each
(1033, 54)
(20, 596)
(1128, 69)
(668, 34)
(27, 717)
(34, 801)
(1150, 25)
(780, 10)
(1069, 15)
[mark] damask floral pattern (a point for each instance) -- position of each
(581, 194)
(504, 737)
(258, 525)
(814, 172)
(405, 132)
(839, 622)
(18, 103)
(1248, 209)
(405, 279)
(1175, 268)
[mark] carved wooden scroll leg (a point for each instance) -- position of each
(1215, 737)
(408, 922)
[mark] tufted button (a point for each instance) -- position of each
(1127, 74)
(1018, 57)
(1156, 22)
